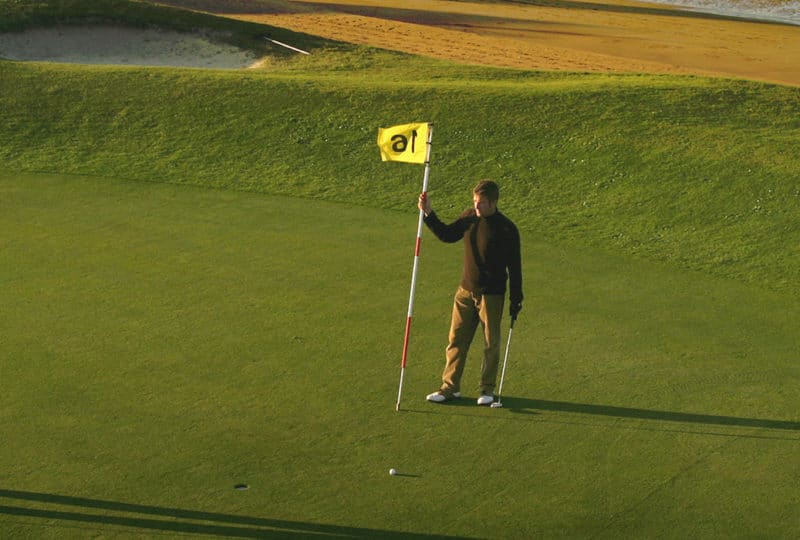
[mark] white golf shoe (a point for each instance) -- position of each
(439, 397)
(486, 399)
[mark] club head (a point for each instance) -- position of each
(496, 405)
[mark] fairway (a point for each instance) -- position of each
(164, 343)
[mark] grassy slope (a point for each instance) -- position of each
(693, 172)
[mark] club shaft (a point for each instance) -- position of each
(505, 361)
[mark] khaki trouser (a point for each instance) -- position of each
(469, 310)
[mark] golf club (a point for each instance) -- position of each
(498, 404)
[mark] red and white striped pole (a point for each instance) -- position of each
(416, 266)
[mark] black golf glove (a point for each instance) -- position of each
(514, 309)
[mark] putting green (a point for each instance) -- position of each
(163, 344)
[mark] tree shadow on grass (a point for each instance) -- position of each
(179, 520)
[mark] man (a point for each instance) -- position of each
(491, 257)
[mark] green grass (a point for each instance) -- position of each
(693, 172)
(164, 343)
(209, 287)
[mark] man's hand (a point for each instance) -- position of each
(424, 204)
(514, 309)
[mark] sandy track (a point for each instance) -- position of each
(617, 36)
(467, 44)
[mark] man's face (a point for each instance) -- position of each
(483, 206)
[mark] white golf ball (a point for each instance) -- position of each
(392, 472)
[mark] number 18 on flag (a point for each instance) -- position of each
(406, 142)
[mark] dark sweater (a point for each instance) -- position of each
(491, 251)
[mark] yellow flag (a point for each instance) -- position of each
(407, 142)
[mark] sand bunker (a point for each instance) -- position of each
(120, 45)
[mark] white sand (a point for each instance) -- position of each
(124, 46)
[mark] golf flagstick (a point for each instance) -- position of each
(497, 404)
(414, 270)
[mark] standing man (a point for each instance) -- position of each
(491, 257)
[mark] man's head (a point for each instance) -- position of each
(485, 197)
